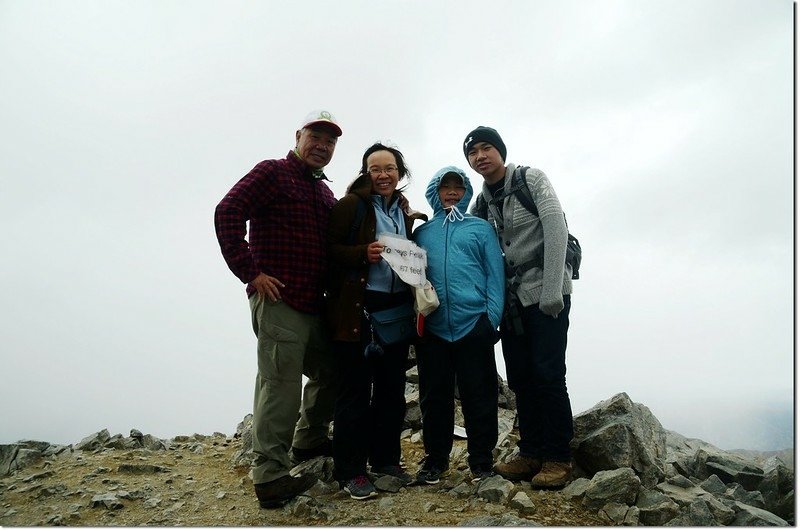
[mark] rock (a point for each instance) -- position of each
(714, 485)
(696, 514)
(506, 399)
(614, 512)
(429, 507)
(680, 481)
(684, 497)
(152, 502)
(495, 489)
(20, 455)
(505, 424)
(305, 506)
(38, 476)
(618, 485)
(618, 433)
(751, 516)
(778, 489)
(107, 500)
(656, 508)
(93, 441)
(462, 490)
(413, 417)
(631, 517)
(497, 520)
(412, 375)
(576, 488)
(320, 467)
(55, 520)
(729, 467)
(142, 469)
(522, 503)
(152, 443)
(244, 456)
(388, 483)
(753, 498)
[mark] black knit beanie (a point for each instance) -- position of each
(484, 134)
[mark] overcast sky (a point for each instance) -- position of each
(666, 128)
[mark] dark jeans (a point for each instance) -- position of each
(370, 407)
(469, 362)
(536, 369)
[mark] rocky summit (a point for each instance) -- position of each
(629, 471)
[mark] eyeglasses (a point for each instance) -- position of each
(376, 171)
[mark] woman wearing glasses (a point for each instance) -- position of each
(370, 407)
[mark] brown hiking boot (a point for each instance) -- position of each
(554, 475)
(519, 468)
(275, 493)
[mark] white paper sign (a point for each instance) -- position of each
(405, 258)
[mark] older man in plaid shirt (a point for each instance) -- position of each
(283, 262)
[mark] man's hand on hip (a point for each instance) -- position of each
(267, 286)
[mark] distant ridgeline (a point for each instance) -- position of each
(628, 468)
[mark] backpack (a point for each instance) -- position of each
(519, 188)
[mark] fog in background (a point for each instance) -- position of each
(665, 127)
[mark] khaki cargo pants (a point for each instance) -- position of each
(290, 344)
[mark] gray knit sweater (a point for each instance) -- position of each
(523, 236)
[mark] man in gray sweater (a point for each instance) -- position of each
(534, 329)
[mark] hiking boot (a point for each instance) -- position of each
(360, 488)
(299, 455)
(429, 475)
(394, 471)
(519, 468)
(275, 493)
(554, 475)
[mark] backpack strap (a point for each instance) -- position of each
(361, 212)
(481, 208)
(519, 186)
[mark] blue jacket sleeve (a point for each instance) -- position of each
(495, 276)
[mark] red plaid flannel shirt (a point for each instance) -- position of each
(288, 212)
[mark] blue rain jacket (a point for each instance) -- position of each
(465, 265)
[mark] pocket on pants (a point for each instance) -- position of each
(280, 353)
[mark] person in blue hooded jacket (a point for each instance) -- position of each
(465, 266)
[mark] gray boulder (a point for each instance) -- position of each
(729, 467)
(684, 497)
(778, 489)
(576, 489)
(656, 508)
(617, 433)
(738, 493)
(320, 467)
(243, 457)
(495, 489)
(522, 503)
(93, 441)
(614, 486)
(620, 514)
(20, 455)
(714, 485)
(696, 514)
(747, 515)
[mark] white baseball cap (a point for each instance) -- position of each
(321, 117)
